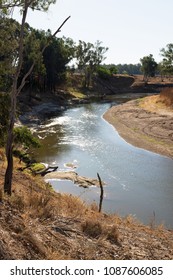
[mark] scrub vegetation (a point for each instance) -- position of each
(38, 223)
(37, 67)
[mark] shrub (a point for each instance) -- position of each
(103, 72)
(96, 229)
(166, 96)
(36, 167)
(113, 70)
(24, 137)
(92, 228)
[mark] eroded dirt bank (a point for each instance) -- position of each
(143, 124)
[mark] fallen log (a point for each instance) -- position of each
(81, 181)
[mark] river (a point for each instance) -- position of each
(138, 182)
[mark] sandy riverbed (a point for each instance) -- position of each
(143, 124)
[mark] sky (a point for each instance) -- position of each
(131, 29)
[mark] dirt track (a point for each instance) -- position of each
(151, 130)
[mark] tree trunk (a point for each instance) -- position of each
(14, 92)
(9, 146)
(9, 171)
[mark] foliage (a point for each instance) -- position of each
(33, 4)
(131, 69)
(89, 56)
(149, 66)
(50, 65)
(9, 33)
(23, 137)
(103, 72)
(17, 86)
(166, 66)
(113, 69)
(56, 57)
(22, 155)
(36, 167)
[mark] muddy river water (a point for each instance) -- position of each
(138, 182)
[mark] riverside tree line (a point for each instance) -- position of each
(36, 59)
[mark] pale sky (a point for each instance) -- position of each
(131, 29)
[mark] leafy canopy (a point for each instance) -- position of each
(166, 66)
(149, 66)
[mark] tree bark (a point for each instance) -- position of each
(10, 136)
(14, 93)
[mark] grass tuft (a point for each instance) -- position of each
(166, 96)
(98, 229)
(92, 228)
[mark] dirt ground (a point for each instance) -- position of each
(144, 123)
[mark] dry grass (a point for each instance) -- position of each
(38, 223)
(2, 157)
(98, 228)
(40, 205)
(161, 104)
(92, 228)
(166, 97)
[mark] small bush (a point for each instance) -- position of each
(23, 156)
(103, 72)
(17, 201)
(92, 228)
(96, 229)
(73, 206)
(23, 136)
(40, 206)
(36, 167)
(112, 234)
(166, 96)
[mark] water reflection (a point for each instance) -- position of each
(138, 182)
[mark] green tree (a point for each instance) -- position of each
(103, 72)
(50, 66)
(16, 86)
(89, 56)
(113, 69)
(9, 34)
(148, 67)
(24, 138)
(166, 66)
(131, 69)
(56, 57)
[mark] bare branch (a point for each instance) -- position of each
(59, 29)
(42, 51)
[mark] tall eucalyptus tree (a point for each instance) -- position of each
(89, 56)
(16, 87)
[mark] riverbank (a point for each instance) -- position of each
(144, 123)
(36, 106)
(67, 228)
